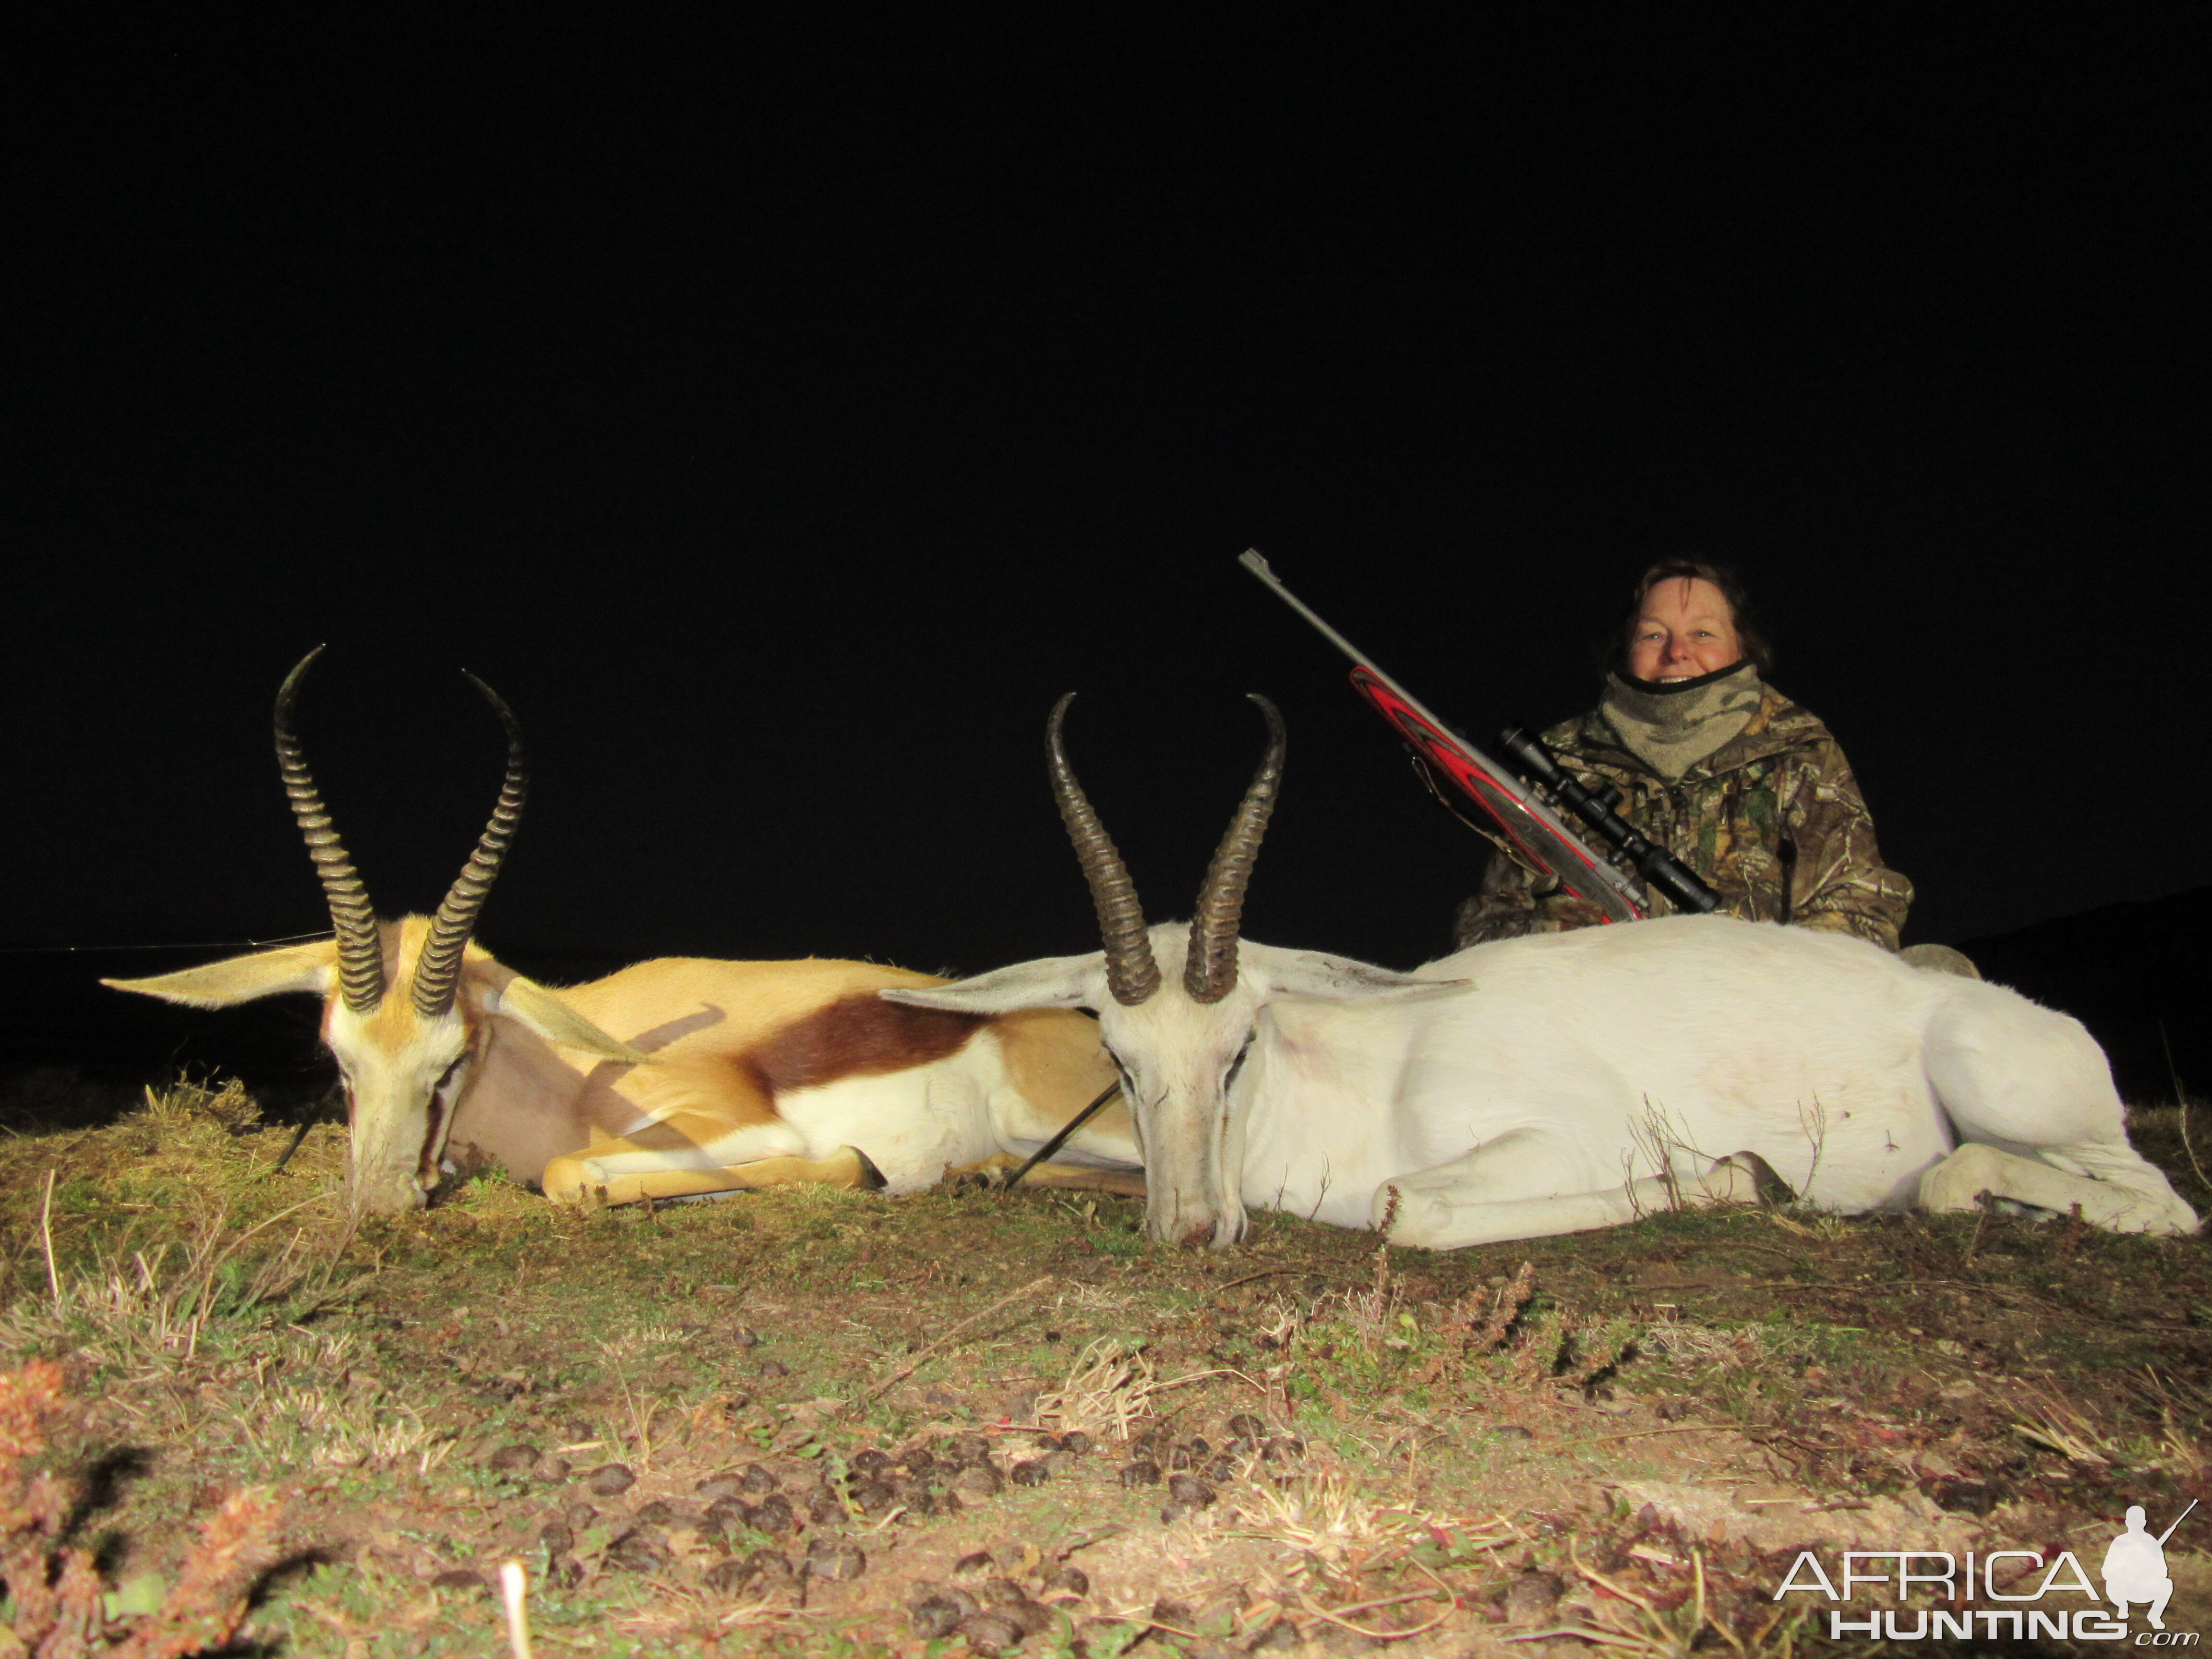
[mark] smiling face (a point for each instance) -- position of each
(1685, 628)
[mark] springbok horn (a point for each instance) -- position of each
(1131, 973)
(361, 953)
(438, 969)
(1209, 971)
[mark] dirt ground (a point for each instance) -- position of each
(826, 1422)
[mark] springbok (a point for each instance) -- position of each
(1552, 1084)
(725, 1075)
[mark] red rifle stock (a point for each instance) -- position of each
(1528, 829)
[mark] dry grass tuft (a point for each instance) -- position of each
(1109, 1388)
(55, 1585)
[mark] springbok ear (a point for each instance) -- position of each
(1048, 982)
(1340, 978)
(530, 1006)
(307, 968)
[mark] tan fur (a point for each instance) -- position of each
(698, 1047)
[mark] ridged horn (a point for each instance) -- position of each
(1131, 973)
(361, 953)
(1209, 971)
(438, 969)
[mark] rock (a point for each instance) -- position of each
(834, 1559)
(1531, 1596)
(517, 1459)
(1031, 1473)
(1140, 1474)
(611, 1479)
(989, 1633)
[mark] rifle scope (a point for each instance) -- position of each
(1596, 808)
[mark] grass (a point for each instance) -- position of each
(1440, 1438)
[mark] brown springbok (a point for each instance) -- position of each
(674, 1077)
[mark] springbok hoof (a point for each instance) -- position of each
(573, 1181)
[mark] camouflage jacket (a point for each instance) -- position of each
(1772, 818)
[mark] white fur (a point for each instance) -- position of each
(1557, 1082)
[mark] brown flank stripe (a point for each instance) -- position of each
(859, 1035)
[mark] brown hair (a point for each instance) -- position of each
(1756, 650)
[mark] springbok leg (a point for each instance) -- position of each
(2123, 1201)
(1126, 1183)
(588, 1179)
(1464, 1202)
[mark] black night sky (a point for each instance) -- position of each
(782, 414)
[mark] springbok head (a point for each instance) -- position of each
(407, 1005)
(1180, 1005)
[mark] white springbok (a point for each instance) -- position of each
(1552, 1083)
(674, 1077)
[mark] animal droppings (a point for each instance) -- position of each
(774, 1515)
(755, 1478)
(973, 1565)
(774, 1368)
(744, 1337)
(834, 1559)
(1031, 1473)
(636, 1551)
(1223, 1467)
(868, 1461)
(1531, 1596)
(934, 1616)
(872, 1497)
(989, 1633)
(997, 1592)
(611, 1479)
(581, 1516)
(1280, 1634)
(716, 1487)
(978, 1480)
(730, 1514)
(1189, 1490)
(1512, 1431)
(824, 1511)
(1075, 1443)
(1034, 1617)
(657, 1513)
(557, 1538)
(918, 1460)
(1073, 1580)
(515, 1460)
(460, 1578)
(1142, 1472)
(1245, 1426)
(725, 1578)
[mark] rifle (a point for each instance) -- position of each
(1533, 834)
